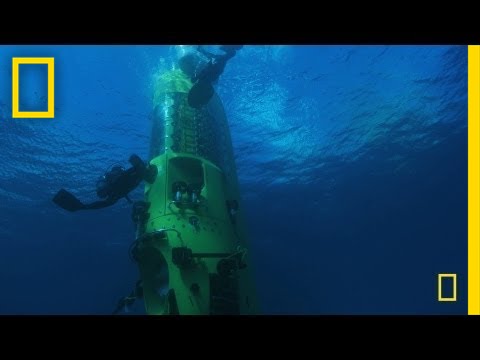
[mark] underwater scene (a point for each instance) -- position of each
(233, 179)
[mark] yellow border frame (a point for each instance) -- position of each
(474, 180)
(442, 276)
(49, 61)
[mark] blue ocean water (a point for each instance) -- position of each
(352, 163)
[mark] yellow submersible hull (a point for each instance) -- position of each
(191, 250)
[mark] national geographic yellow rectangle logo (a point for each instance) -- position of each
(16, 62)
(453, 296)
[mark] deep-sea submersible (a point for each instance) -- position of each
(191, 245)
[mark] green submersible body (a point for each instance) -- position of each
(191, 245)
